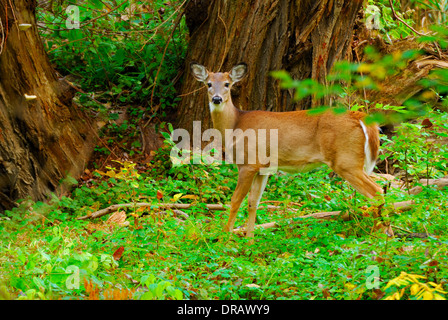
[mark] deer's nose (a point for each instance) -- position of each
(217, 100)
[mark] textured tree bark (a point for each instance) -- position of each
(303, 37)
(42, 140)
(398, 88)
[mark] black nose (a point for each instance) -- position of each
(217, 100)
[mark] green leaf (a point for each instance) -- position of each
(148, 295)
(97, 4)
(375, 118)
(317, 110)
(39, 283)
(339, 110)
(160, 288)
(178, 295)
(281, 75)
(119, 57)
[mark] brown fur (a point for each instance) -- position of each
(304, 141)
(374, 141)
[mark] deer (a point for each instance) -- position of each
(344, 142)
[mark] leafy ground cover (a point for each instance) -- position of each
(48, 254)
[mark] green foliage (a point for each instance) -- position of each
(418, 14)
(118, 54)
(421, 152)
(159, 289)
(169, 259)
(47, 253)
(437, 10)
(125, 57)
(379, 16)
(347, 82)
(418, 290)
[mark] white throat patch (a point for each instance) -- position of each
(216, 107)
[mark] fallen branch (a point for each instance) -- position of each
(438, 63)
(175, 206)
(413, 235)
(177, 214)
(178, 206)
(318, 215)
(402, 206)
(180, 213)
(440, 183)
(282, 202)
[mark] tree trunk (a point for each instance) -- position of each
(303, 37)
(42, 139)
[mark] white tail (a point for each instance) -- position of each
(343, 142)
(369, 160)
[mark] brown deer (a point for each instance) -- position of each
(343, 142)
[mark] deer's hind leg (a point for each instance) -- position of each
(354, 174)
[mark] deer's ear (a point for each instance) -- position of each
(199, 71)
(238, 72)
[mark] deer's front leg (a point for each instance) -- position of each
(245, 178)
(256, 192)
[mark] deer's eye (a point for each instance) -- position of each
(227, 84)
(209, 85)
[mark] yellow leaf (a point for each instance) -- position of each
(285, 255)
(364, 67)
(380, 72)
(415, 288)
(397, 56)
(414, 277)
(111, 174)
(428, 296)
(402, 292)
(189, 196)
(437, 287)
(176, 197)
(349, 286)
(395, 296)
(428, 95)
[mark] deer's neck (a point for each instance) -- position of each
(224, 116)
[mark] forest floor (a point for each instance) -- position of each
(156, 253)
